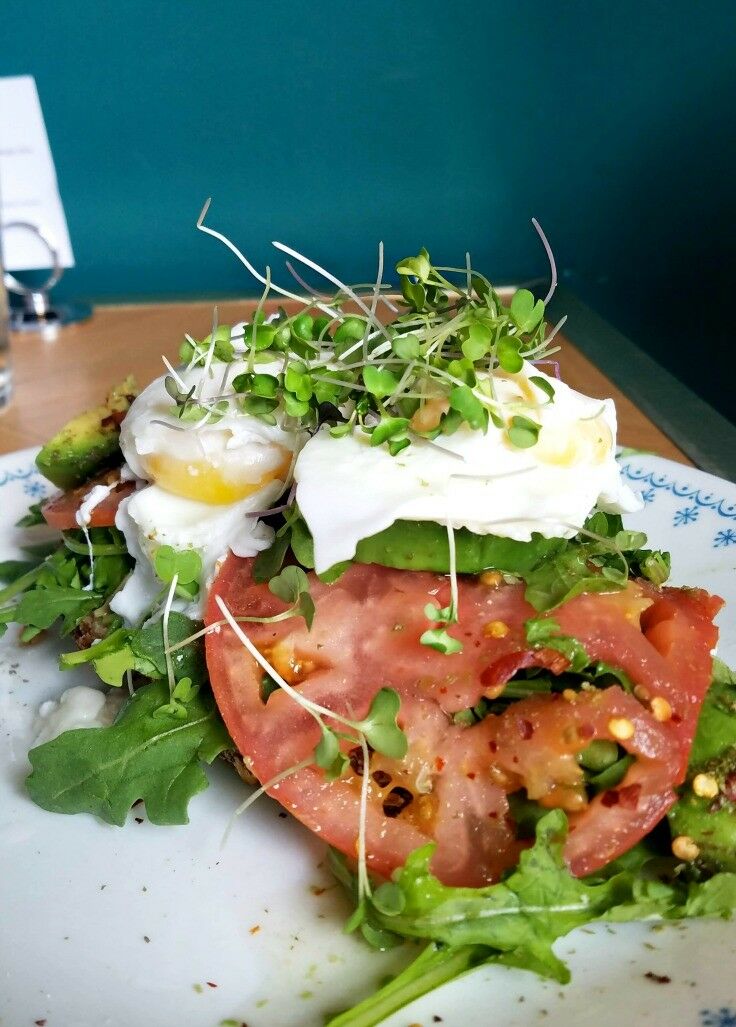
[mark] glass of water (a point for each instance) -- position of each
(6, 374)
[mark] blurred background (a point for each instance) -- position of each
(332, 125)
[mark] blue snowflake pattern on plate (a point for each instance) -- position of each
(22, 474)
(723, 1017)
(727, 537)
(35, 489)
(687, 515)
(653, 481)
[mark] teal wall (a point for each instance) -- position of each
(331, 125)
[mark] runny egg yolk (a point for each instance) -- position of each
(580, 441)
(583, 442)
(206, 483)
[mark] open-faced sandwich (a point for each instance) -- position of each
(373, 553)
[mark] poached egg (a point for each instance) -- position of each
(348, 490)
(201, 483)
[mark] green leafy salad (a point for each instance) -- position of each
(369, 551)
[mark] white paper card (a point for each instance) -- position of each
(28, 187)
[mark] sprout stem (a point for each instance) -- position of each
(551, 258)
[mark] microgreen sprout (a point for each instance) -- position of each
(183, 565)
(247, 264)
(275, 780)
(379, 725)
(181, 397)
(438, 637)
(292, 586)
(173, 706)
(427, 373)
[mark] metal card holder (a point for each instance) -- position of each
(38, 313)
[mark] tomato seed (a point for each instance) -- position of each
(396, 801)
(356, 760)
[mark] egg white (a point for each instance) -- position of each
(348, 490)
(152, 517)
(200, 484)
(198, 460)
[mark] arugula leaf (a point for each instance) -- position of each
(519, 918)
(32, 518)
(709, 818)
(553, 582)
(302, 546)
(145, 754)
(516, 921)
(11, 570)
(59, 587)
(544, 632)
(269, 561)
(40, 607)
(143, 650)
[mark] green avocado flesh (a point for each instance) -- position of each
(423, 546)
(88, 443)
(711, 823)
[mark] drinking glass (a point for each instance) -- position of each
(6, 373)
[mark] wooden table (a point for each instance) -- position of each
(56, 379)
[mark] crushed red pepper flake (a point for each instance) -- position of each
(40, 1023)
(210, 984)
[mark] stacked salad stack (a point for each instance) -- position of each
(376, 559)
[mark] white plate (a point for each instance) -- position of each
(118, 927)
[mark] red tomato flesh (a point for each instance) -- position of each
(453, 785)
(60, 511)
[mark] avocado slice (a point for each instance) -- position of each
(711, 822)
(88, 443)
(423, 546)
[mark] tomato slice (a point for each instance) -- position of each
(60, 511)
(454, 783)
